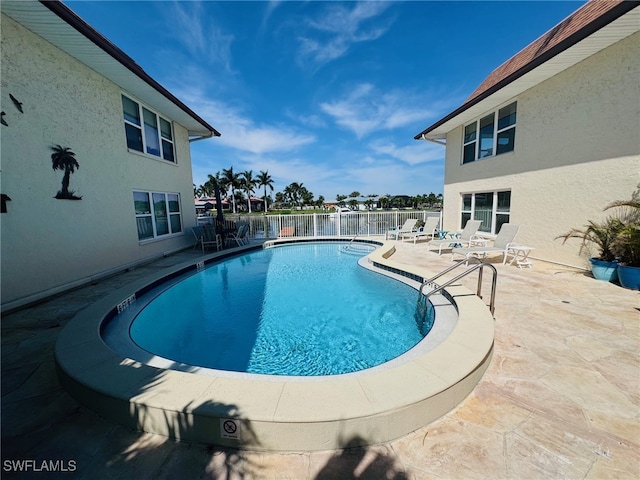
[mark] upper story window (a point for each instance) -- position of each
(490, 135)
(147, 131)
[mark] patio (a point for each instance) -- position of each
(561, 398)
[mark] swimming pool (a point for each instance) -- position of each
(303, 309)
(132, 387)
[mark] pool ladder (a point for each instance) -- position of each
(363, 230)
(423, 303)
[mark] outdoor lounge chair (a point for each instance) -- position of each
(427, 230)
(287, 231)
(466, 236)
(407, 227)
(501, 244)
(197, 233)
(210, 237)
(240, 236)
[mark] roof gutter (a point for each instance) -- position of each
(424, 137)
(94, 36)
(202, 137)
(587, 30)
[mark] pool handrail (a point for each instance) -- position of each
(479, 266)
(361, 231)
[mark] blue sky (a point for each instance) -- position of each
(327, 94)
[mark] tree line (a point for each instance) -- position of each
(296, 195)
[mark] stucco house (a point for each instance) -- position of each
(128, 195)
(552, 135)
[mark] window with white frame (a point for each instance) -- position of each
(492, 208)
(146, 131)
(490, 135)
(157, 214)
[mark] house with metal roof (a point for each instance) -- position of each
(96, 162)
(552, 135)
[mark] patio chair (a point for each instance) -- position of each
(210, 237)
(427, 230)
(407, 227)
(501, 244)
(240, 236)
(197, 233)
(287, 231)
(465, 237)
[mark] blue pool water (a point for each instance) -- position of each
(305, 309)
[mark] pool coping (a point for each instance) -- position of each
(275, 415)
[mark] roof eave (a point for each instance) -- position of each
(117, 66)
(434, 132)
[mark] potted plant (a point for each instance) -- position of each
(601, 236)
(626, 244)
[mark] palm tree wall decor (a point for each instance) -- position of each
(64, 159)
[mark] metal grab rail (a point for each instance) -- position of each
(362, 230)
(479, 266)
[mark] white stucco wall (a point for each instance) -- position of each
(577, 150)
(48, 243)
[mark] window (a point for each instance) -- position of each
(491, 135)
(492, 208)
(146, 131)
(157, 214)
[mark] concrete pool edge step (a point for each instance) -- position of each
(276, 415)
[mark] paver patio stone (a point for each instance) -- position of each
(561, 398)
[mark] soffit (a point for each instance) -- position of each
(43, 22)
(615, 31)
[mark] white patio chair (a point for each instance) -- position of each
(466, 236)
(501, 244)
(407, 227)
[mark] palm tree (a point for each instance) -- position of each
(280, 199)
(265, 180)
(289, 194)
(212, 183)
(63, 158)
(306, 196)
(294, 192)
(248, 184)
(231, 180)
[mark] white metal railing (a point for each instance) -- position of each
(326, 224)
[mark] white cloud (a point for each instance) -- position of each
(365, 110)
(341, 27)
(241, 132)
(199, 35)
(412, 154)
(311, 121)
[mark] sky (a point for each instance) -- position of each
(327, 94)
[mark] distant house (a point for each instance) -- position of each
(204, 205)
(129, 197)
(552, 135)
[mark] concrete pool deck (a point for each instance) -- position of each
(132, 387)
(560, 399)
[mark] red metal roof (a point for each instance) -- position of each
(589, 12)
(585, 21)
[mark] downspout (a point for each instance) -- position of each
(424, 137)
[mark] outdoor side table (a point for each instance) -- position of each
(520, 255)
(479, 242)
(453, 236)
